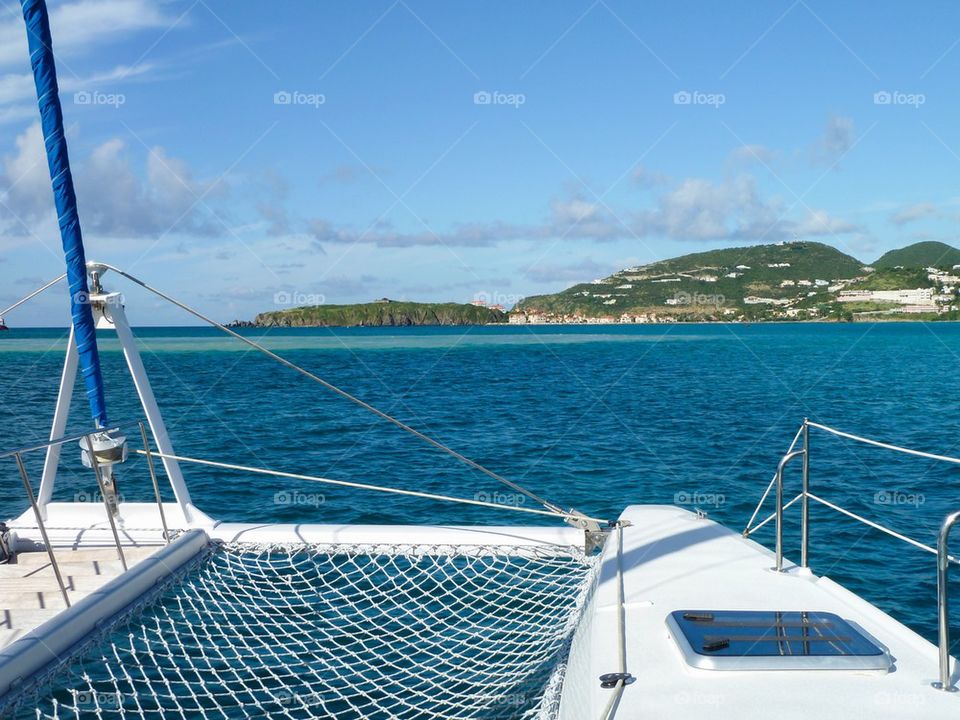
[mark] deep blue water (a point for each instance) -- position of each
(594, 418)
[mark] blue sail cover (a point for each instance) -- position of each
(51, 118)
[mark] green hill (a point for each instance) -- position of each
(807, 259)
(895, 278)
(921, 255)
(382, 313)
(707, 283)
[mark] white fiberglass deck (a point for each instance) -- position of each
(674, 560)
(84, 525)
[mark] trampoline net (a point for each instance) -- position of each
(342, 632)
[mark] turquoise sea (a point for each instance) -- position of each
(589, 417)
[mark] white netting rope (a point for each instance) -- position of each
(345, 632)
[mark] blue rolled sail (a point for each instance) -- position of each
(51, 118)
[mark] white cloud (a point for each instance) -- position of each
(384, 234)
(17, 114)
(581, 271)
(701, 210)
(271, 204)
(20, 88)
(574, 210)
(169, 199)
(344, 174)
(25, 182)
(574, 218)
(914, 212)
(647, 178)
(750, 154)
(819, 222)
(78, 27)
(837, 139)
(278, 220)
(695, 210)
(578, 218)
(114, 200)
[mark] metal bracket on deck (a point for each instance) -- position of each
(594, 535)
(579, 520)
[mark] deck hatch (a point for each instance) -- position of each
(773, 640)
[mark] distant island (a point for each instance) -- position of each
(782, 281)
(381, 313)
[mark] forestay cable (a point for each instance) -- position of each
(32, 295)
(352, 398)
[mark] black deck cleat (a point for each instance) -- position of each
(610, 680)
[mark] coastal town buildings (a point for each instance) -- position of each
(915, 296)
(744, 294)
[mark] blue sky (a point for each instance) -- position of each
(447, 151)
